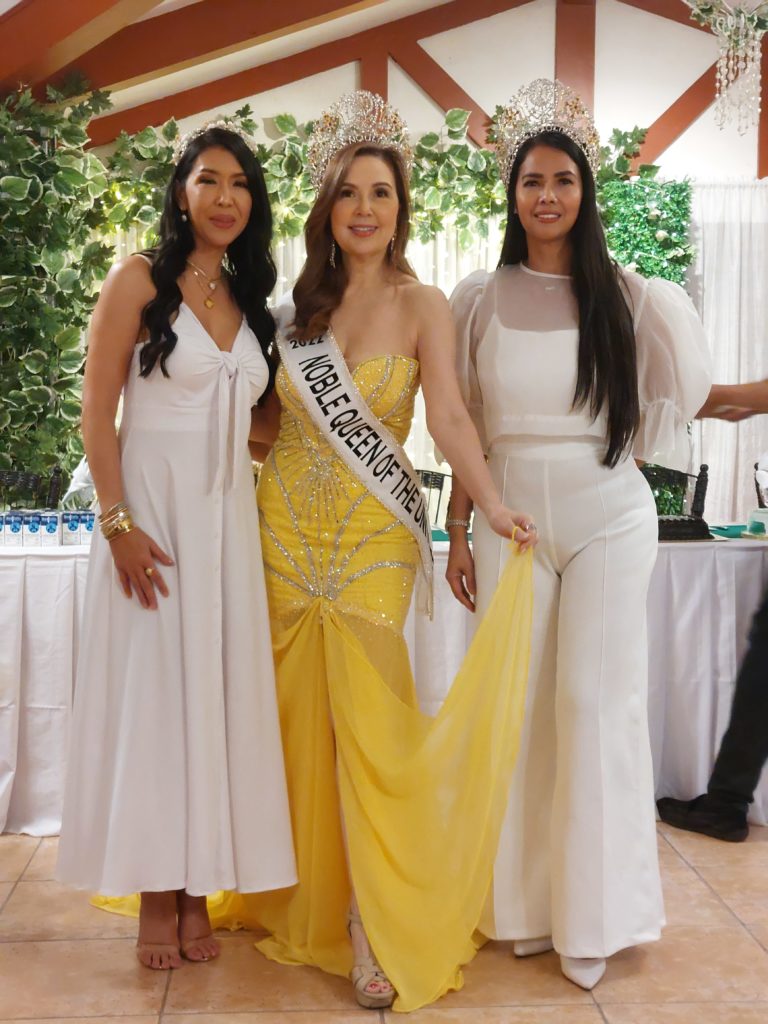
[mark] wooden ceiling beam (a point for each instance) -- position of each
(203, 31)
(213, 95)
(575, 47)
(373, 70)
(39, 37)
(364, 47)
(439, 86)
(678, 117)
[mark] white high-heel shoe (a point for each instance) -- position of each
(583, 972)
(531, 947)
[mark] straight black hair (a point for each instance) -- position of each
(251, 271)
(607, 362)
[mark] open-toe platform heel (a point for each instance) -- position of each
(159, 949)
(367, 972)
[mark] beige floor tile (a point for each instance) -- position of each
(760, 932)
(688, 965)
(86, 978)
(49, 910)
(699, 850)
(502, 1015)
(689, 901)
(281, 1017)
(15, 854)
(244, 980)
(5, 889)
(497, 978)
(743, 887)
(688, 1013)
(41, 867)
(670, 860)
(148, 1019)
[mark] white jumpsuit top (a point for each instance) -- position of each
(175, 776)
(577, 858)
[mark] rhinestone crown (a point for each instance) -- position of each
(357, 117)
(222, 121)
(544, 106)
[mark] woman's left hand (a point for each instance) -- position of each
(504, 521)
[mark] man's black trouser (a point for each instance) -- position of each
(744, 749)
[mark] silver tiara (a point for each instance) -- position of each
(357, 117)
(221, 121)
(544, 106)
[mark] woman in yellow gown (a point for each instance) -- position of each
(395, 815)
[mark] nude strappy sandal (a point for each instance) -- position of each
(366, 972)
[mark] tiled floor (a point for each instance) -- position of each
(62, 960)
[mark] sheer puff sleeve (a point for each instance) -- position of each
(673, 368)
(465, 302)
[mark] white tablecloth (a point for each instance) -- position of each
(41, 597)
(700, 605)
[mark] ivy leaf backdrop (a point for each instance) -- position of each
(61, 206)
(50, 262)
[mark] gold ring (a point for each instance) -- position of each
(149, 571)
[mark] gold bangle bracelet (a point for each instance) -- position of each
(123, 526)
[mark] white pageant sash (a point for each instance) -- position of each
(321, 377)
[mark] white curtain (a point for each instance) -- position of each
(729, 283)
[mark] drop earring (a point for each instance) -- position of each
(391, 246)
(184, 217)
(332, 257)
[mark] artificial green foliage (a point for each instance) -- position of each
(50, 267)
(142, 164)
(647, 224)
(670, 489)
(454, 183)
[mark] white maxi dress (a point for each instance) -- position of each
(577, 857)
(175, 776)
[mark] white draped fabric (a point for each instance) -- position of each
(41, 599)
(729, 284)
(700, 604)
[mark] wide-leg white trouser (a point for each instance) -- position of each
(578, 858)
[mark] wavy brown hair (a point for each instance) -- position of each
(320, 287)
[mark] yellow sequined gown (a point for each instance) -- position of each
(422, 799)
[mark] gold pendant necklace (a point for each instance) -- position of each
(211, 283)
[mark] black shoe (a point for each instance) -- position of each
(706, 816)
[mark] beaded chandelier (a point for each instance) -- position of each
(739, 28)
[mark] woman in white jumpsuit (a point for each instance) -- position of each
(561, 411)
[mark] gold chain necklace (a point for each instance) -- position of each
(210, 285)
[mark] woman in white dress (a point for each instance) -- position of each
(175, 784)
(570, 366)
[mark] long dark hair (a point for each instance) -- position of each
(607, 365)
(319, 288)
(252, 273)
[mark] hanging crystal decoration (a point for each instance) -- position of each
(739, 28)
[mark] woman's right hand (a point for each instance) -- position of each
(460, 571)
(133, 554)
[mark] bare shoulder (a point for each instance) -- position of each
(129, 281)
(425, 300)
